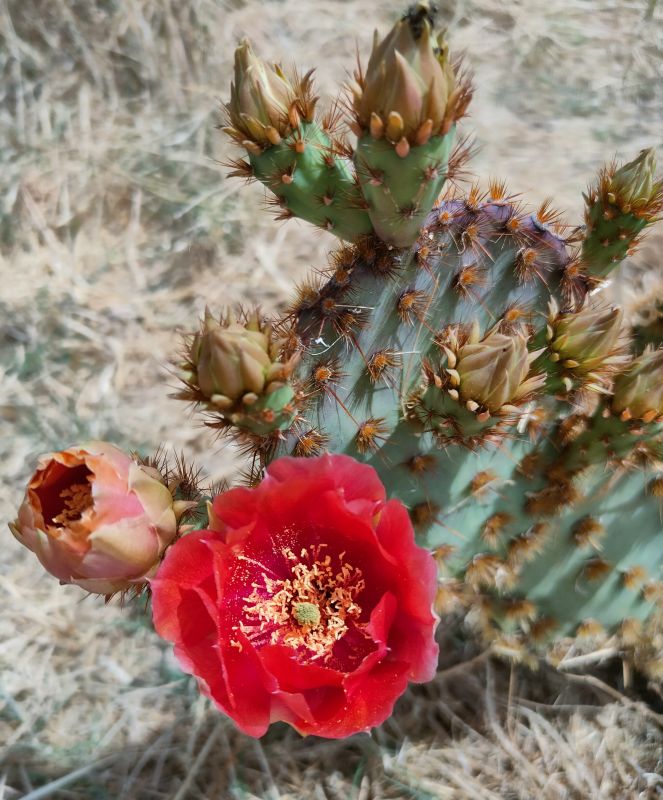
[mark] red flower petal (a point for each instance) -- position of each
(357, 481)
(293, 676)
(234, 509)
(417, 570)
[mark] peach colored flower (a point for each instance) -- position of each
(96, 518)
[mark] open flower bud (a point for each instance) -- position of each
(409, 83)
(588, 340)
(633, 186)
(265, 105)
(96, 518)
(493, 372)
(639, 391)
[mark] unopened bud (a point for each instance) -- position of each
(633, 185)
(589, 339)
(233, 360)
(236, 369)
(408, 79)
(265, 105)
(494, 371)
(639, 391)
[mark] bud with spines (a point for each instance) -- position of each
(408, 93)
(234, 368)
(494, 372)
(265, 105)
(481, 387)
(634, 187)
(638, 392)
(585, 347)
(618, 208)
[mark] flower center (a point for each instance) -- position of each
(76, 500)
(306, 613)
(311, 609)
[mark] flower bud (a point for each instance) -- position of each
(265, 105)
(494, 372)
(96, 518)
(633, 186)
(409, 82)
(639, 391)
(231, 360)
(591, 339)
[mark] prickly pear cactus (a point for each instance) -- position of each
(460, 346)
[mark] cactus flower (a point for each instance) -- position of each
(408, 83)
(638, 392)
(96, 518)
(308, 601)
(264, 104)
(494, 371)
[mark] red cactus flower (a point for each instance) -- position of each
(307, 602)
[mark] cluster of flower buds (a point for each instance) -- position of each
(265, 105)
(638, 392)
(409, 92)
(96, 518)
(493, 374)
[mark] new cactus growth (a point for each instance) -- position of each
(294, 155)
(405, 109)
(619, 207)
(454, 347)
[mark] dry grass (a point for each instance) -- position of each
(116, 226)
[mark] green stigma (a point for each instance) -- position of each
(306, 613)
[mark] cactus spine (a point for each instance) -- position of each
(454, 346)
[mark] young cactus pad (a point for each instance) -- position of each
(462, 350)
(404, 113)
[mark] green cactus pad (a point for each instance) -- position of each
(529, 525)
(313, 183)
(401, 191)
(610, 234)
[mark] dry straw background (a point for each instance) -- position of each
(117, 225)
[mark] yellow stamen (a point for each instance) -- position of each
(77, 499)
(311, 609)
